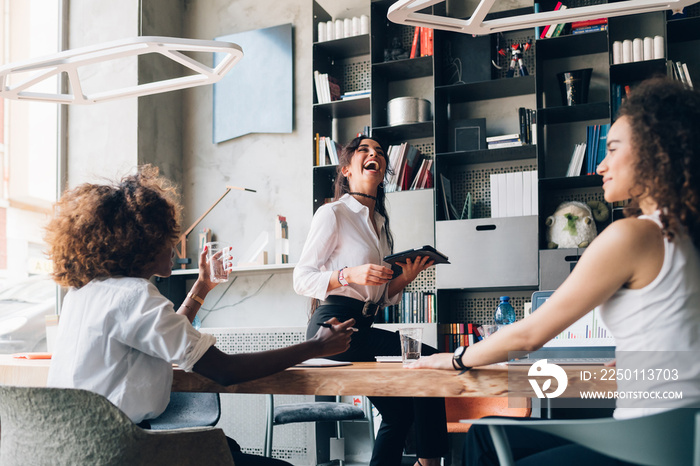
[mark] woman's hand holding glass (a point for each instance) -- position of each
(205, 275)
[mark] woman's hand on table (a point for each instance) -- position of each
(435, 361)
(368, 274)
(336, 338)
(411, 268)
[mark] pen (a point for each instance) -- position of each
(327, 325)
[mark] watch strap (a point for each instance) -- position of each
(195, 298)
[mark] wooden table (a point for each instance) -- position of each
(361, 378)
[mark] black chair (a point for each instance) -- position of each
(317, 411)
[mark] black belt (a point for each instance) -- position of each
(368, 309)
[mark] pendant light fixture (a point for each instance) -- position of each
(408, 12)
(70, 61)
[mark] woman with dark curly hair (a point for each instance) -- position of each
(118, 336)
(341, 265)
(642, 271)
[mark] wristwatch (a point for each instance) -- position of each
(457, 359)
(341, 277)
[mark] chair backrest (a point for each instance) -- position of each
(665, 439)
(70, 426)
(189, 409)
(458, 408)
(670, 438)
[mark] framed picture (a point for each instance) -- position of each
(464, 135)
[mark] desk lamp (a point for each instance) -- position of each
(407, 12)
(181, 245)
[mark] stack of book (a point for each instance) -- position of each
(355, 94)
(422, 45)
(591, 25)
(452, 336)
(554, 30)
(326, 151)
(679, 71)
(596, 146)
(409, 169)
(514, 194)
(504, 140)
(327, 88)
(415, 307)
(592, 151)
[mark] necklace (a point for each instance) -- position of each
(374, 198)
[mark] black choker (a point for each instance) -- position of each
(374, 198)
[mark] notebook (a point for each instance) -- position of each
(587, 341)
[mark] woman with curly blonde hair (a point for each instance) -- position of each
(117, 335)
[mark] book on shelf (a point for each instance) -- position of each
(450, 210)
(560, 27)
(585, 30)
(687, 75)
(326, 151)
(414, 44)
(355, 94)
(504, 137)
(504, 144)
(576, 162)
(513, 194)
(407, 169)
(414, 307)
(545, 30)
(589, 22)
(467, 208)
(327, 88)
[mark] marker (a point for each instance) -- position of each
(327, 325)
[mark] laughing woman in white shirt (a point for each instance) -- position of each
(341, 268)
(118, 336)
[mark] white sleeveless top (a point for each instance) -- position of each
(657, 334)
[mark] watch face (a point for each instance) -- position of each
(460, 351)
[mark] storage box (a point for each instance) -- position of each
(488, 252)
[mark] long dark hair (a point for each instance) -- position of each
(664, 116)
(342, 185)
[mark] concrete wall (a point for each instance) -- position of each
(277, 166)
(102, 138)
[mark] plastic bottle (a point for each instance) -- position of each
(505, 314)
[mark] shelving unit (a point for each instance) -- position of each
(492, 256)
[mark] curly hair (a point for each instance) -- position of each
(342, 186)
(118, 229)
(664, 117)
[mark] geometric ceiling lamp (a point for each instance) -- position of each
(70, 61)
(407, 12)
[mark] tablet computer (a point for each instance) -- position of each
(436, 256)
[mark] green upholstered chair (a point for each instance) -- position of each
(61, 426)
(670, 438)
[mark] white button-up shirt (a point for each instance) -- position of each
(342, 235)
(119, 337)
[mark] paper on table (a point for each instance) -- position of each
(322, 362)
(32, 355)
(388, 358)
